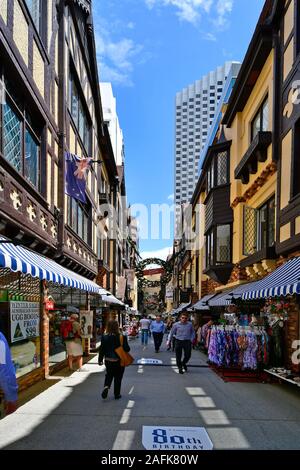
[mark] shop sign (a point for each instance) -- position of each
(86, 323)
(49, 305)
(24, 320)
(176, 438)
(169, 292)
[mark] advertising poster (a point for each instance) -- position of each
(24, 320)
(86, 323)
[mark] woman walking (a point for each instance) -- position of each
(74, 343)
(110, 341)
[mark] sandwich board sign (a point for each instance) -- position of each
(176, 438)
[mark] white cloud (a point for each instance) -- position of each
(161, 254)
(115, 57)
(171, 197)
(192, 10)
(224, 8)
(209, 37)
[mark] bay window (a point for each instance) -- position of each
(217, 172)
(218, 245)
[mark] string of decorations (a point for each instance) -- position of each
(165, 277)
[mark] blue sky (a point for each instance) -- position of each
(149, 50)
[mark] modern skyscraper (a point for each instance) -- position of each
(196, 107)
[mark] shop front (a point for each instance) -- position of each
(37, 296)
(258, 325)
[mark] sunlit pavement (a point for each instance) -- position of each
(72, 415)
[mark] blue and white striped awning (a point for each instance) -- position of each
(285, 280)
(202, 304)
(242, 289)
(220, 300)
(20, 259)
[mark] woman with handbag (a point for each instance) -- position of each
(114, 370)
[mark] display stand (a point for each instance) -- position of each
(282, 378)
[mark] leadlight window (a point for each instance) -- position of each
(223, 244)
(222, 170)
(20, 143)
(259, 227)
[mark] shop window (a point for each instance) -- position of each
(261, 121)
(20, 323)
(20, 143)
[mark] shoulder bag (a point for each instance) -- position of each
(125, 358)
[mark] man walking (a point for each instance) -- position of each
(157, 329)
(185, 334)
(144, 329)
(8, 381)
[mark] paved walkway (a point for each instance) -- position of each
(72, 415)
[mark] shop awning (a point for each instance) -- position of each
(202, 304)
(220, 300)
(285, 280)
(181, 308)
(20, 259)
(241, 290)
(111, 299)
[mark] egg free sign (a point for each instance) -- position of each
(176, 438)
(24, 320)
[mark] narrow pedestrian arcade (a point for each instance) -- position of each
(72, 415)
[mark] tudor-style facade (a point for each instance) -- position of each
(288, 230)
(50, 104)
(252, 116)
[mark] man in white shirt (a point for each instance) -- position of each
(144, 329)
